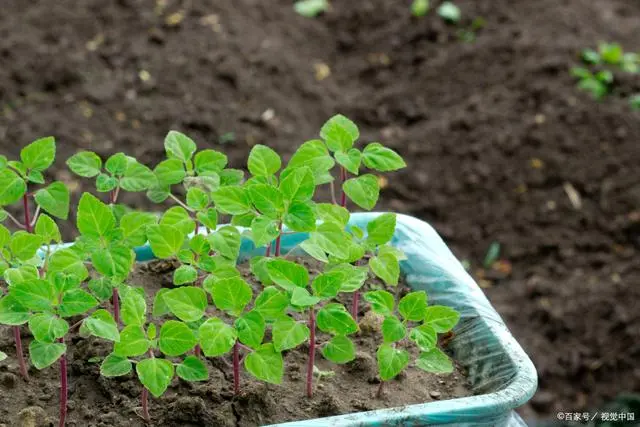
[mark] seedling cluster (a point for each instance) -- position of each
(597, 77)
(211, 311)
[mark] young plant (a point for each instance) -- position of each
(450, 12)
(418, 323)
(311, 8)
(140, 342)
(419, 8)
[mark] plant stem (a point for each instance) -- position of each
(277, 254)
(27, 220)
(343, 178)
(312, 351)
(115, 300)
(19, 353)
(64, 391)
(268, 251)
(380, 387)
(144, 398)
(197, 350)
(354, 305)
(236, 368)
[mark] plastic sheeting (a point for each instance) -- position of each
(501, 374)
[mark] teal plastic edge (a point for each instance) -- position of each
(504, 372)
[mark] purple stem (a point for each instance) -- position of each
(19, 353)
(277, 254)
(343, 196)
(144, 398)
(354, 305)
(268, 251)
(379, 392)
(236, 368)
(312, 351)
(115, 300)
(64, 391)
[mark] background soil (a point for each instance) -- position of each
(494, 132)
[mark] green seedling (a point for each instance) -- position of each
(450, 12)
(417, 323)
(311, 8)
(634, 101)
(598, 84)
(419, 8)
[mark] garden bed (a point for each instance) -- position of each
(97, 401)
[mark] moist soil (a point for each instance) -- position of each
(495, 134)
(101, 402)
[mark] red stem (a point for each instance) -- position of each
(64, 391)
(379, 392)
(277, 254)
(115, 300)
(27, 220)
(354, 305)
(268, 251)
(197, 350)
(312, 351)
(343, 196)
(236, 368)
(19, 353)
(144, 398)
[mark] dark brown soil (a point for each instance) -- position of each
(494, 132)
(97, 401)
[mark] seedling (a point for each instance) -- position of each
(419, 8)
(450, 12)
(634, 101)
(311, 8)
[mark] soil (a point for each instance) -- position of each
(101, 402)
(496, 135)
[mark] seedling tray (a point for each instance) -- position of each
(502, 376)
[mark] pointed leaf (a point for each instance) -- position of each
(441, 318)
(335, 319)
(133, 342)
(339, 133)
(265, 364)
(165, 240)
(39, 155)
(101, 324)
(363, 190)
(54, 199)
(435, 361)
(115, 366)
(85, 163)
(216, 337)
(192, 369)
(179, 146)
(413, 306)
(391, 361)
(12, 187)
(176, 338)
(287, 334)
(44, 354)
(250, 328)
(339, 349)
(377, 157)
(263, 161)
(94, 217)
(186, 303)
(155, 375)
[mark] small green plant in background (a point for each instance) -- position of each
(597, 75)
(419, 8)
(211, 311)
(311, 8)
(449, 12)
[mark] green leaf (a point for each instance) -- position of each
(85, 163)
(133, 342)
(419, 8)
(231, 177)
(160, 307)
(232, 200)
(165, 240)
(386, 267)
(115, 262)
(47, 229)
(178, 217)
(155, 375)
(117, 164)
(413, 306)
(187, 303)
(101, 324)
(310, 8)
(441, 318)
(24, 273)
(331, 238)
(339, 133)
(328, 284)
(265, 364)
(231, 295)
(24, 245)
(208, 218)
(378, 157)
(435, 361)
(250, 328)
(134, 308)
(226, 241)
(94, 217)
(449, 12)
(424, 336)
(314, 155)
(179, 146)
(271, 303)
(263, 230)
(3, 356)
(363, 190)
(12, 313)
(12, 187)
(137, 177)
(300, 217)
(36, 177)
(329, 212)
(192, 369)
(46, 327)
(176, 338)
(297, 185)
(37, 295)
(54, 199)
(300, 297)
(391, 361)
(115, 366)
(39, 155)
(339, 349)
(5, 236)
(102, 288)
(267, 200)
(335, 319)
(382, 302)
(75, 302)
(134, 227)
(44, 354)
(106, 183)
(287, 333)
(169, 172)
(67, 261)
(185, 274)
(216, 337)
(381, 229)
(197, 198)
(207, 161)
(287, 274)
(350, 160)
(263, 161)
(393, 329)
(353, 276)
